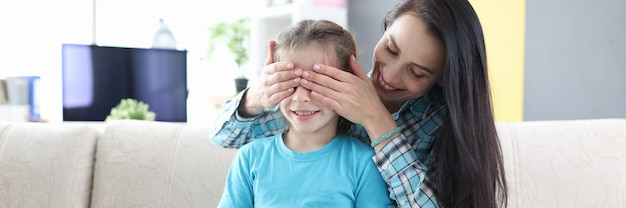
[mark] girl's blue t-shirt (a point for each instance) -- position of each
(265, 173)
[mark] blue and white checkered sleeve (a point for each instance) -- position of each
(233, 131)
(404, 174)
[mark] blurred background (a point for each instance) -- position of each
(548, 59)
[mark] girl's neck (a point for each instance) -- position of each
(307, 142)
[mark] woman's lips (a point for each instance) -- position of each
(384, 86)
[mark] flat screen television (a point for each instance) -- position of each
(97, 78)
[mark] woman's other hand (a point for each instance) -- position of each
(352, 96)
(276, 82)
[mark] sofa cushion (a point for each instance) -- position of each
(158, 164)
(46, 165)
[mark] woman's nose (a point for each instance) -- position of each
(301, 95)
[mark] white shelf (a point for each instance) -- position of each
(14, 113)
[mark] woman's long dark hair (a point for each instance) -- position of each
(467, 166)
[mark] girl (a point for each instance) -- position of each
(312, 163)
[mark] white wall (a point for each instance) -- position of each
(365, 20)
(575, 60)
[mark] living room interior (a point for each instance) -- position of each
(556, 72)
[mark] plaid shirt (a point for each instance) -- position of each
(402, 162)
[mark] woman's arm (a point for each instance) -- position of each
(231, 130)
(398, 156)
(406, 177)
(404, 160)
(253, 113)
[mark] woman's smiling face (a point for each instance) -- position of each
(408, 61)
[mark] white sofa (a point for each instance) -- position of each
(575, 163)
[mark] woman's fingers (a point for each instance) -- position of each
(326, 89)
(332, 72)
(277, 67)
(325, 95)
(275, 84)
(356, 69)
(275, 98)
(351, 95)
(279, 76)
(270, 56)
(281, 85)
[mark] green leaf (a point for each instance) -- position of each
(236, 36)
(131, 109)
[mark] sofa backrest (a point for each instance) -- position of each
(46, 165)
(158, 164)
(575, 163)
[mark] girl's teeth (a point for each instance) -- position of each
(300, 113)
(382, 82)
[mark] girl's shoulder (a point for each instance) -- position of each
(259, 143)
(356, 145)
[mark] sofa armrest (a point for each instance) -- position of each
(568, 163)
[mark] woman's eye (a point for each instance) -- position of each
(388, 49)
(417, 76)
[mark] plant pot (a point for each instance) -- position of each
(241, 84)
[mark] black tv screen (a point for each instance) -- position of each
(97, 78)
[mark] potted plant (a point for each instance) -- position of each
(236, 35)
(130, 108)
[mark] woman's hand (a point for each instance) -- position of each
(352, 96)
(275, 84)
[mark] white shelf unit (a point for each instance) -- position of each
(268, 21)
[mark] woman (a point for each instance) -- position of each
(429, 80)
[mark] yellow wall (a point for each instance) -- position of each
(504, 27)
